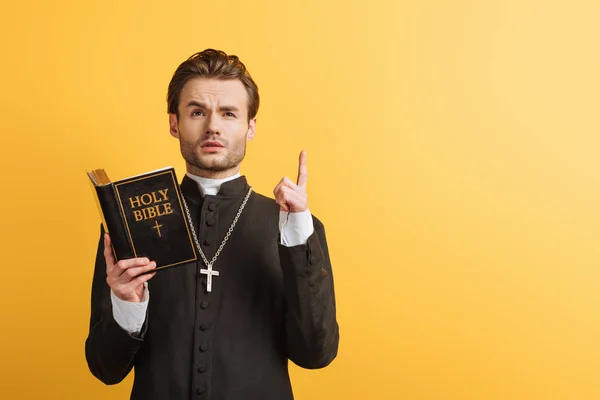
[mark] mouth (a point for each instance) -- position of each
(211, 144)
(211, 147)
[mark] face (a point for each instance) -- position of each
(213, 126)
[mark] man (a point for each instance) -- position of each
(190, 334)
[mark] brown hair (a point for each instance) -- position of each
(216, 64)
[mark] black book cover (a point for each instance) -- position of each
(145, 217)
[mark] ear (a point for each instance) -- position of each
(251, 129)
(173, 126)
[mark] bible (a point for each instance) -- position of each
(145, 217)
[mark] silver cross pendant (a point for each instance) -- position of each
(209, 272)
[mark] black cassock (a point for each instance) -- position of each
(269, 304)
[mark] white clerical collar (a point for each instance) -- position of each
(210, 186)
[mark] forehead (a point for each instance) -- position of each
(214, 92)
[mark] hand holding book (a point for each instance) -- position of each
(126, 278)
(145, 218)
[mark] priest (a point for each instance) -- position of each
(262, 293)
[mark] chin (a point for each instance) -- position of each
(212, 165)
(211, 159)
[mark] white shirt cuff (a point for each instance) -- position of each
(129, 315)
(295, 227)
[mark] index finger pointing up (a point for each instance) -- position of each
(302, 172)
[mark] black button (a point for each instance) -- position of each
(207, 242)
(201, 390)
(202, 369)
(204, 327)
(203, 347)
(313, 259)
(212, 206)
(210, 222)
(204, 304)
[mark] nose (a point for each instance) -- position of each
(212, 127)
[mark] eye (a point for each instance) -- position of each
(197, 113)
(230, 114)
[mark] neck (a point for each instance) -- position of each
(205, 173)
(210, 186)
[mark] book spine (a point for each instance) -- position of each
(115, 221)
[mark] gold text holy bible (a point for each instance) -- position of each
(145, 217)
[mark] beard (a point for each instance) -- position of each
(193, 156)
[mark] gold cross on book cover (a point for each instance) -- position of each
(144, 216)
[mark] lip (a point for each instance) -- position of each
(211, 143)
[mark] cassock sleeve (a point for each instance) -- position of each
(311, 327)
(109, 349)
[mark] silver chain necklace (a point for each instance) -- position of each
(208, 271)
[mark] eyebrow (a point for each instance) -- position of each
(194, 103)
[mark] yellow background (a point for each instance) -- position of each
(452, 152)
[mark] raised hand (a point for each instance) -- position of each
(126, 278)
(292, 196)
